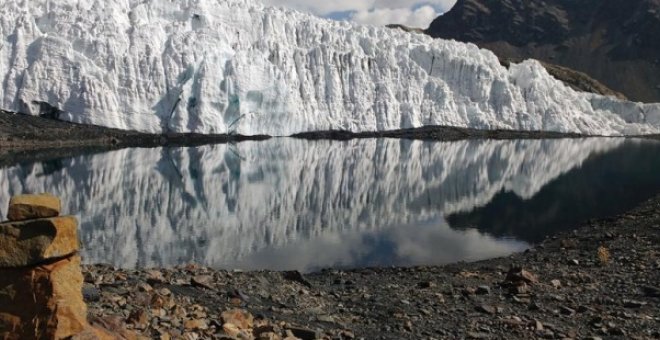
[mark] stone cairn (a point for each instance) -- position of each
(40, 274)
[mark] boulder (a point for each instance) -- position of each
(42, 302)
(35, 242)
(27, 207)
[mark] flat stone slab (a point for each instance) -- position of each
(34, 242)
(27, 207)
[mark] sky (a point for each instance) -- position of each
(414, 13)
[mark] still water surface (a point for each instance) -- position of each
(293, 204)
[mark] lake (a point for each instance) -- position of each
(292, 204)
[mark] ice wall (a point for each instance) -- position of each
(225, 66)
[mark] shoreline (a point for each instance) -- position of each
(23, 133)
(598, 281)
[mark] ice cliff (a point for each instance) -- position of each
(224, 66)
(306, 205)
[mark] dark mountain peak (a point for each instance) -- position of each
(516, 21)
(613, 41)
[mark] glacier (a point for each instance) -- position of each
(236, 66)
(301, 204)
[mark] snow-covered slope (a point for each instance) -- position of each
(229, 206)
(217, 66)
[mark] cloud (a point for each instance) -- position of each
(420, 17)
(431, 242)
(414, 13)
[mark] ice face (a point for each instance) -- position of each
(212, 66)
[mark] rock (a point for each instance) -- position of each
(269, 336)
(538, 326)
(556, 283)
(584, 309)
(566, 310)
(326, 318)
(110, 328)
(145, 287)
(235, 332)
(91, 293)
(477, 335)
(568, 243)
(239, 318)
(651, 291)
(426, 284)
(259, 330)
(516, 275)
(303, 333)
(603, 255)
(296, 276)
(195, 324)
(27, 207)
(520, 288)
(633, 304)
(45, 302)
(346, 334)
(139, 318)
(155, 277)
(483, 290)
(618, 331)
(486, 309)
(231, 329)
(204, 281)
(33, 242)
(290, 336)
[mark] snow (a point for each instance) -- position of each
(224, 66)
(290, 200)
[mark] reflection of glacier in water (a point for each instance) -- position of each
(288, 203)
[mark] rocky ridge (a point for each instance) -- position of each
(614, 42)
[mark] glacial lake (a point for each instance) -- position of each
(292, 204)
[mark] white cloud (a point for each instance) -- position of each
(414, 13)
(420, 17)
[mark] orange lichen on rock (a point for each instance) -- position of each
(34, 242)
(42, 302)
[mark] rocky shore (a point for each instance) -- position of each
(597, 282)
(24, 137)
(20, 132)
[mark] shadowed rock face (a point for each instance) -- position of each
(613, 41)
